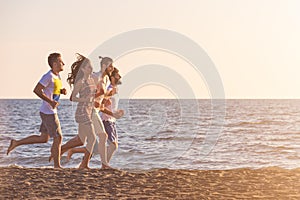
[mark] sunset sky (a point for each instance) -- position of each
(254, 44)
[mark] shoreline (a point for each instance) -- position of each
(70, 183)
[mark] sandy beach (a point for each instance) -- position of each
(48, 183)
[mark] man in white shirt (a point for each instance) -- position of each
(48, 89)
(109, 121)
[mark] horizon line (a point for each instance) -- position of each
(8, 98)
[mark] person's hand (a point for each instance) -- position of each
(54, 104)
(99, 92)
(106, 102)
(118, 114)
(63, 91)
(96, 104)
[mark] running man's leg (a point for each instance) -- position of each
(52, 125)
(110, 128)
(99, 130)
(55, 151)
(102, 148)
(111, 149)
(74, 142)
(33, 139)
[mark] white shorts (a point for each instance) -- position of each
(97, 122)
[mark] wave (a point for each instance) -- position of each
(259, 122)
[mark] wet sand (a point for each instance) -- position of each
(47, 183)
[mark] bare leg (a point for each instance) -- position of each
(113, 146)
(102, 150)
(99, 130)
(86, 159)
(75, 150)
(33, 139)
(87, 131)
(74, 142)
(55, 151)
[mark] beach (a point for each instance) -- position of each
(256, 155)
(71, 183)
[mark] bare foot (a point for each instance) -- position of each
(11, 146)
(58, 167)
(83, 167)
(69, 156)
(104, 166)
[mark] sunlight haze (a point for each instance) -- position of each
(254, 44)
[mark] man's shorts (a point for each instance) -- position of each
(50, 124)
(110, 128)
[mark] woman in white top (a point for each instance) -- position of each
(83, 93)
(101, 79)
(111, 104)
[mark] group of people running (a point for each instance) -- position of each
(96, 112)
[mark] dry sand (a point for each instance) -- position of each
(37, 183)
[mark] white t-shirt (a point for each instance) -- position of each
(105, 82)
(113, 107)
(53, 85)
(98, 77)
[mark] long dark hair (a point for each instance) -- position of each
(76, 74)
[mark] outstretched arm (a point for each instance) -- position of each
(118, 114)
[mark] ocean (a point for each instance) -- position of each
(170, 133)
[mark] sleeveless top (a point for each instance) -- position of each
(84, 110)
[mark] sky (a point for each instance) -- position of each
(253, 44)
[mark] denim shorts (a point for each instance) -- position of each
(110, 129)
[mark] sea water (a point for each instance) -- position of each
(170, 133)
